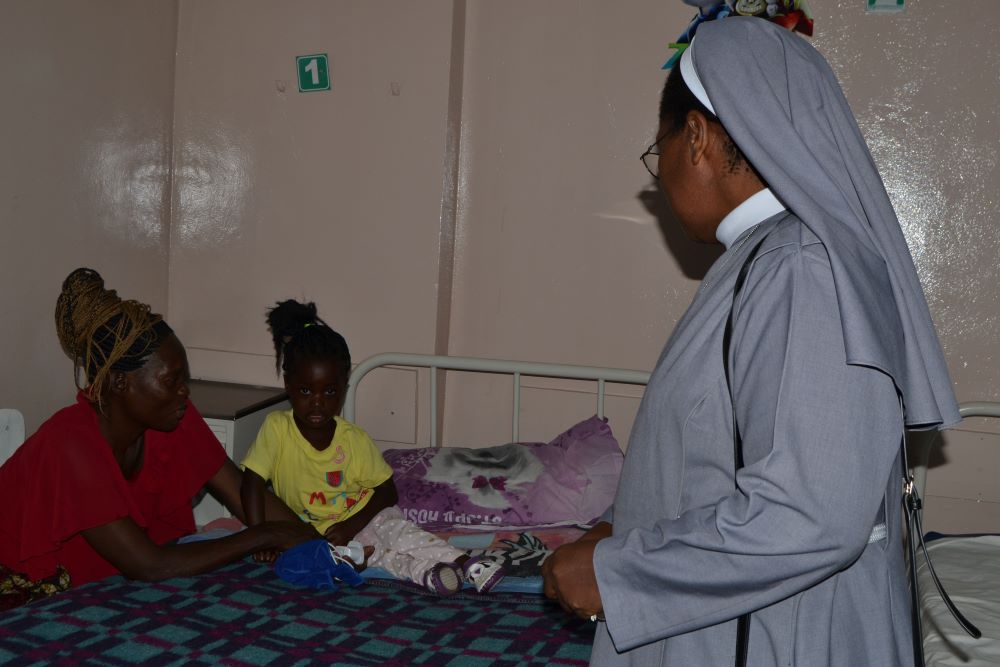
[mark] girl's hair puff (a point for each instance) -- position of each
(299, 334)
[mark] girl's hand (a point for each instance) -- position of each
(336, 536)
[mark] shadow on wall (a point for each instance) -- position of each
(694, 258)
(929, 446)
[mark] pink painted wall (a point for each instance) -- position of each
(558, 258)
(332, 196)
(470, 185)
(924, 86)
(84, 172)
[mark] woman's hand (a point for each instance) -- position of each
(569, 575)
(266, 556)
(599, 531)
(286, 534)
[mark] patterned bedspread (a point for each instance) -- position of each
(244, 615)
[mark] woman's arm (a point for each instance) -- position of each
(252, 492)
(227, 485)
(384, 496)
(255, 499)
(123, 544)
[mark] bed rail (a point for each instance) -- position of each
(922, 456)
(517, 369)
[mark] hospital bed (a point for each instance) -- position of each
(244, 614)
(969, 569)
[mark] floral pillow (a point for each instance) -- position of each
(569, 480)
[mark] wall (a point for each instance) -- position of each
(84, 173)
(495, 206)
(558, 259)
(401, 217)
(923, 85)
(333, 196)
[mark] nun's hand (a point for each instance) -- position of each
(570, 580)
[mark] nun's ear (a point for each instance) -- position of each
(697, 135)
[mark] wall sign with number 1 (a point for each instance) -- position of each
(313, 72)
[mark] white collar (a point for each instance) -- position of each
(756, 208)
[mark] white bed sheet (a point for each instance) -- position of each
(969, 569)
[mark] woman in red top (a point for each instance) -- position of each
(105, 486)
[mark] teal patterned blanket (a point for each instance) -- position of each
(244, 615)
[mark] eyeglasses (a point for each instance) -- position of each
(651, 158)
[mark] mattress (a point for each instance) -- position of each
(969, 569)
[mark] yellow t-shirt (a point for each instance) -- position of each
(324, 487)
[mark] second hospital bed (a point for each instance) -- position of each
(969, 569)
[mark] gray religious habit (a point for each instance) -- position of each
(831, 332)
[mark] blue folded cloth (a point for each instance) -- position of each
(314, 564)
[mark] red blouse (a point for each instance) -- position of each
(64, 479)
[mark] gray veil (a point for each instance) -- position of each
(781, 103)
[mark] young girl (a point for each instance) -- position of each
(329, 472)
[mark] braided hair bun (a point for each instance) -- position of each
(101, 332)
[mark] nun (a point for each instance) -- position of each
(758, 513)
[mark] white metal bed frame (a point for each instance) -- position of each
(601, 375)
(927, 445)
(517, 369)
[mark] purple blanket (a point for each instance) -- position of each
(244, 615)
